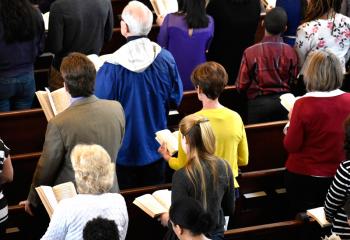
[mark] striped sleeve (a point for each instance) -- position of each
(337, 193)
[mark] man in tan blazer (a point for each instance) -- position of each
(88, 120)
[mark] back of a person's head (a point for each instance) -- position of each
(19, 20)
(94, 171)
(317, 8)
(322, 71)
(138, 18)
(79, 75)
(276, 21)
(194, 12)
(211, 78)
(189, 214)
(100, 229)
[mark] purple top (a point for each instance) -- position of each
(188, 51)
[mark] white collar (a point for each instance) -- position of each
(332, 93)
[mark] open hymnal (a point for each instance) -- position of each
(288, 100)
(156, 203)
(164, 7)
(54, 102)
(170, 139)
(50, 196)
(98, 61)
(269, 3)
(319, 215)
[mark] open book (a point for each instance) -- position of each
(288, 100)
(50, 196)
(98, 61)
(164, 7)
(269, 3)
(156, 203)
(319, 215)
(170, 138)
(54, 102)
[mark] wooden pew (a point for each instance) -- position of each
(23, 131)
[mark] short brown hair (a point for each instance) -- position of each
(322, 71)
(79, 75)
(211, 78)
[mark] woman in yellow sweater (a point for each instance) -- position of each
(210, 79)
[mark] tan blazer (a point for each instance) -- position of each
(88, 120)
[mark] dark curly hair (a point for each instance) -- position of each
(20, 20)
(100, 229)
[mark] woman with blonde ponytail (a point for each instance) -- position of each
(205, 177)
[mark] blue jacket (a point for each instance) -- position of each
(144, 78)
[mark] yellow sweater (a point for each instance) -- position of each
(231, 140)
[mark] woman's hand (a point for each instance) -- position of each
(163, 150)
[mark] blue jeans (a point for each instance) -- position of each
(17, 92)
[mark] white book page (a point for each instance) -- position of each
(64, 190)
(152, 206)
(319, 215)
(45, 104)
(171, 140)
(171, 6)
(60, 100)
(98, 61)
(164, 7)
(287, 101)
(50, 196)
(164, 197)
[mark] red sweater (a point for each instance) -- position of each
(315, 138)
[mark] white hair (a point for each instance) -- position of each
(138, 17)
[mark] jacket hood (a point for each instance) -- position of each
(136, 55)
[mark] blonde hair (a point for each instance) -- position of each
(94, 171)
(322, 71)
(201, 141)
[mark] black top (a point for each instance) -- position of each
(220, 198)
(232, 18)
(79, 26)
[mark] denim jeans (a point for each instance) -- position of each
(17, 92)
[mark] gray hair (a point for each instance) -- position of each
(322, 71)
(138, 17)
(94, 170)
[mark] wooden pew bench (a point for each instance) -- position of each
(23, 131)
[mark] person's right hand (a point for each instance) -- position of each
(160, 20)
(27, 207)
(163, 150)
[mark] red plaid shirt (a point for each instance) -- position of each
(267, 67)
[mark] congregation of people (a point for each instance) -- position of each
(104, 141)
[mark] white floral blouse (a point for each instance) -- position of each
(332, 34)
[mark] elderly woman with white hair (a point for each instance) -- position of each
(94, 174)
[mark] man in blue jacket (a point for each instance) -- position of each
(144, 78)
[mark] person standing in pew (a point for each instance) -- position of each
(187, 35)
(77, 26)
(94, 174)
(267, 70)
(210, 79)
(315, 136)
(21, 41)
(87, 120)
(6, 175)
(145, 79)
(205, 177)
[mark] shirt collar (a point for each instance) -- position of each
(333, 93)
(272, 39)
(73, 100)
(128, 39)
